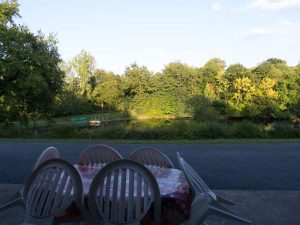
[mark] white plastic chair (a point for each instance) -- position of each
(98, 154)
(205, 202)
(51, 189)
(151, 156)
(47, 154)
(18, 198)
(123, 192)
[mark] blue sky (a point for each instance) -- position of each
(156, 32)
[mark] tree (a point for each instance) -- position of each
(243, 96)
(210, 92)
(203, 109)
(8, 10)
(181, 81)
(30, 76)
(83, 67)
(236, 71)
(272, 68)
(297, 106)
(137, 83)
(106, 92)
(287, 85)
(267, 104)
(211, 70)
(137, 80)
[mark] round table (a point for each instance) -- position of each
(176, 196)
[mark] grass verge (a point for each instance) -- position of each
(181, 141)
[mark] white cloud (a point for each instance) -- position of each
(289, 31)
(287, 23)
(216, 7)
(285, 30)
(273, 5)
(258, 32)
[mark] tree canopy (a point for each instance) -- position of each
(30, 75)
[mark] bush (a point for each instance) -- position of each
(68, 104)
(62, 132)
(203, 109)
(246, 129)
(166, 130)
(9, 131)
(214, 130)
(284, 130)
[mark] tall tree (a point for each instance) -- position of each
(236, 71)
(106, 91)
(137, 80)
(182, 82)
(30, 75)
(211, 70)
(286, 83)
(243, 96)
(266, 104)
(83, 67)
(8, 10)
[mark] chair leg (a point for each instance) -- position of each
(188, 223)
(216, 208)
(225, 201)
(38, 221)
(15, 200)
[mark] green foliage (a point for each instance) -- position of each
(236, 71)
(137, 80)
(283, 130)
(182, 82)
(8, 10)
(242, 97)
(62, 132)
(112, 132)
(174, 130)
(84, 65)
(203, 109)
(246, 129)
(67, 104)
(153, 105)
(158, 130)
(212, 69)
(205, 130)
(106, 91)
(79, 72)
(29, 72)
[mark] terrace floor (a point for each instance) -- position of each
(262, 207)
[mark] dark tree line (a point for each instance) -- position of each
(268, 91)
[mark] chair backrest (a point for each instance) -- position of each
(48, 153)
(98, 154)
(151, 156)
(195, 181)
(51, 189)
(122, 193)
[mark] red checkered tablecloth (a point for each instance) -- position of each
(175, 193)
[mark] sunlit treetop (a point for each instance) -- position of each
(8, 10)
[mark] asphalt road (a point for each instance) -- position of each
(222, 166)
